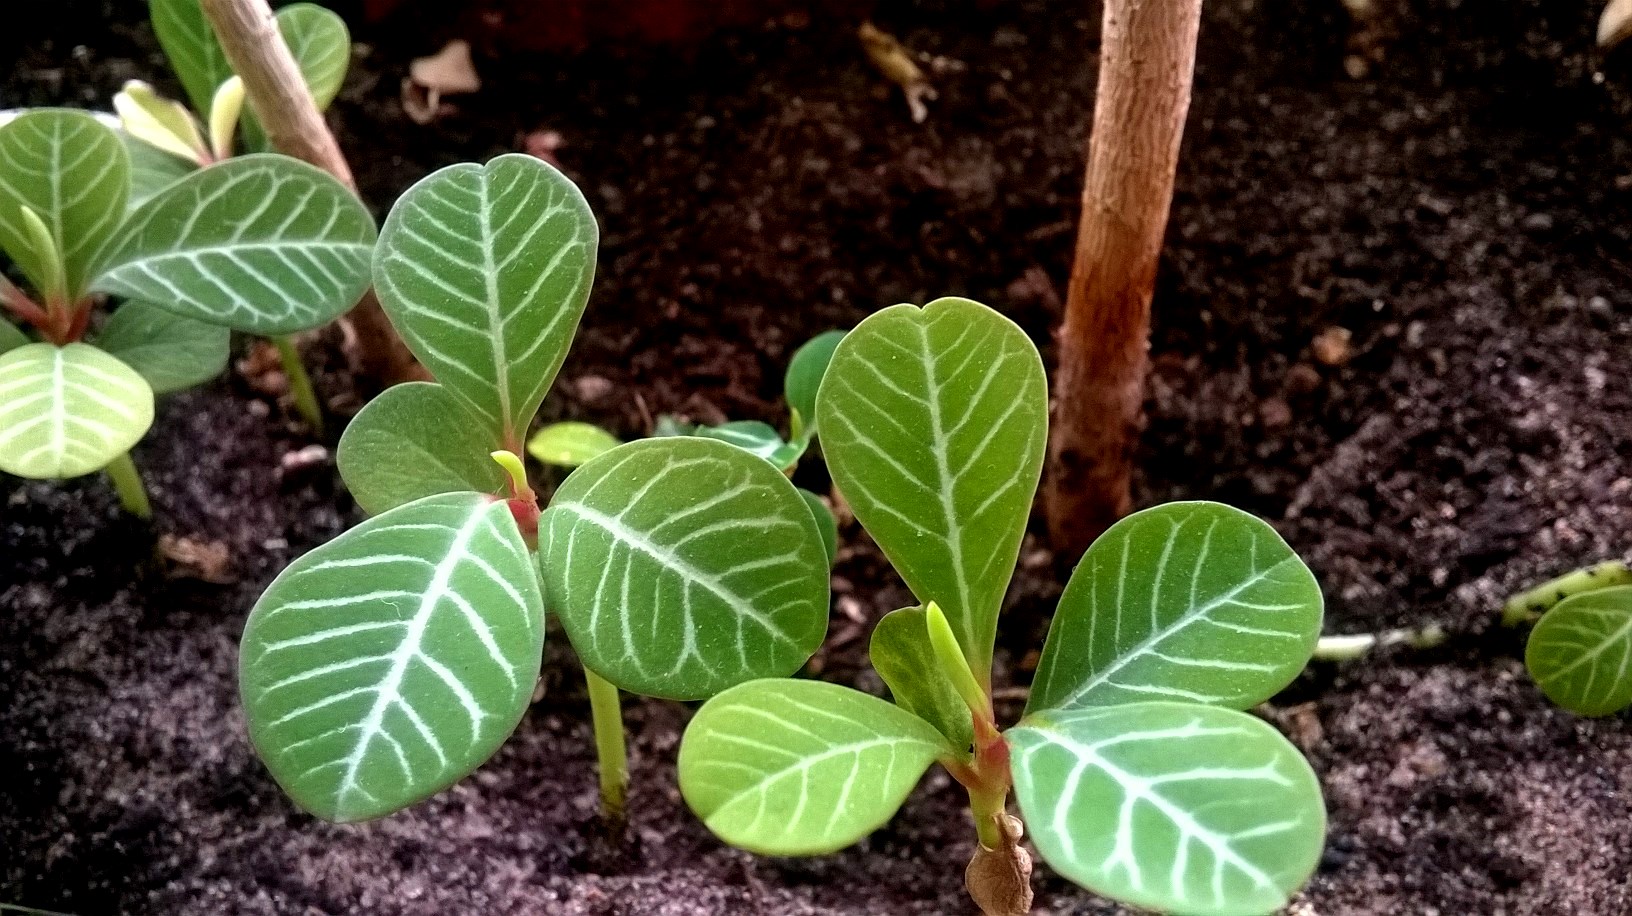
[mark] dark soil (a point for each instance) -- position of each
(1464, 212)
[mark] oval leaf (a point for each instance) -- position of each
(1174, 807)
(485, 270)
(74, 173)
(263, 244)
(570, 444)
(1190, 601)
(786, 767)
(1580, 652)
(683, 566)
(934, 422)
(902, 655)
(389, 663)
(169, 351)
(753, 437)
(191, 45)
(411, 442)
(804, 378)
(67, 411)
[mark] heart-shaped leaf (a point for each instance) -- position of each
(683, 566)
(787, 767)
(169, 351)
(152, 170)
(1190, 601)
(1174, 807)
(804, 378)
(570, 444)
(392, 661)
(933, 423)
(11, 337)
(321, 44)
(263, 244)
(1580, 652)
(825, 523)
(67, 411)
(192, 48)
(74, 173)
(485, 270)
(902, 655)
(413, 441)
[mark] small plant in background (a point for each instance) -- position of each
(572, 443)
(1580, 652)
(1134, 766)
(260, 241)
(389, 663)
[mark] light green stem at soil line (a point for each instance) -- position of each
(300, 384)
(606, 713)
(127, 482)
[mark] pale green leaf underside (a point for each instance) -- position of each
(389, 663)
(933, 422)
(485, 271)
(683, 566)
(74, 173)
(415, 440)
(1174, 807)
(786, 767)
(67, 411)
(263, 244)
(169, 351)
(570, 443)
(152, 169)
(902, 655)
(1190, 601)
(11, 337)
(192, 48)
(1580, 652)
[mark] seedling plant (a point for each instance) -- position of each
(1135, 768)
(387, 664)
(1580, 652)
(262, 243)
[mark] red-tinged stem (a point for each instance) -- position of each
(23, 307)
(80, 320)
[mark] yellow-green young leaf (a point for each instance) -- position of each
(793, 768)
(1174, 807)
(169, 351)
(192, 48)
(1580, 652)
(825, 523)
(902, 656)
(933, 422)
(263, 244)
(485, 270)
(67, 411)
(10, 337)
(570, 443)
(415, 440)
(1191, 601)
(74, 173)
(321, 44)
(160, 122)
(389, 663)
(152, 169)
(804, 378)
(683, 566)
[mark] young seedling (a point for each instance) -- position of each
(572, 443)
(1580, 652)
(391, 662)
(1136, 769)
(262, 241)
(167, 142)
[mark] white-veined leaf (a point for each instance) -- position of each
(683, 566)
(1176, 807)
(485, 271)
(1191, 601)
(152, 170)
(169, 351)
(67, 411)
(786, 767)
(756, 438)
(1580, 652)
(190, 44)
(263, 244)
(415, 440)
(934, 422)
(389, 663)
(901, 653)
(825, 523)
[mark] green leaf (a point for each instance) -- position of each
(1173, 807)
(825, 523)
(263, 244)
(787, 767)
(934, 423)
(67, 411)
(570, 444)
(415, 440)
(683, 566)
(902, 656)
(321, 44)
(392, 661)
(804, 379)
(11, 337)
(169, 351)
(73, 172)
(1580, 652)
(1190, 601)
(152, 170)
(192, 48)
(755, 438)
(485, 270)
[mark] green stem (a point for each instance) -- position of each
(986, 806)
(300, 384)
(1527, 607)
(610, 751)
(1348, 648)
(127, 482)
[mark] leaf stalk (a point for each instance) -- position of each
(127, 482)
(611, 750)
(300, 384)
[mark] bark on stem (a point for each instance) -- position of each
(1147, 60)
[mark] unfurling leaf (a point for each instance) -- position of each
(1580, 652)
(67, 411)
(169, 351)
(413, 441)
(158, 121)
(902, 656)
(570, 444)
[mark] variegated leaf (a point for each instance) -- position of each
(67, 411)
